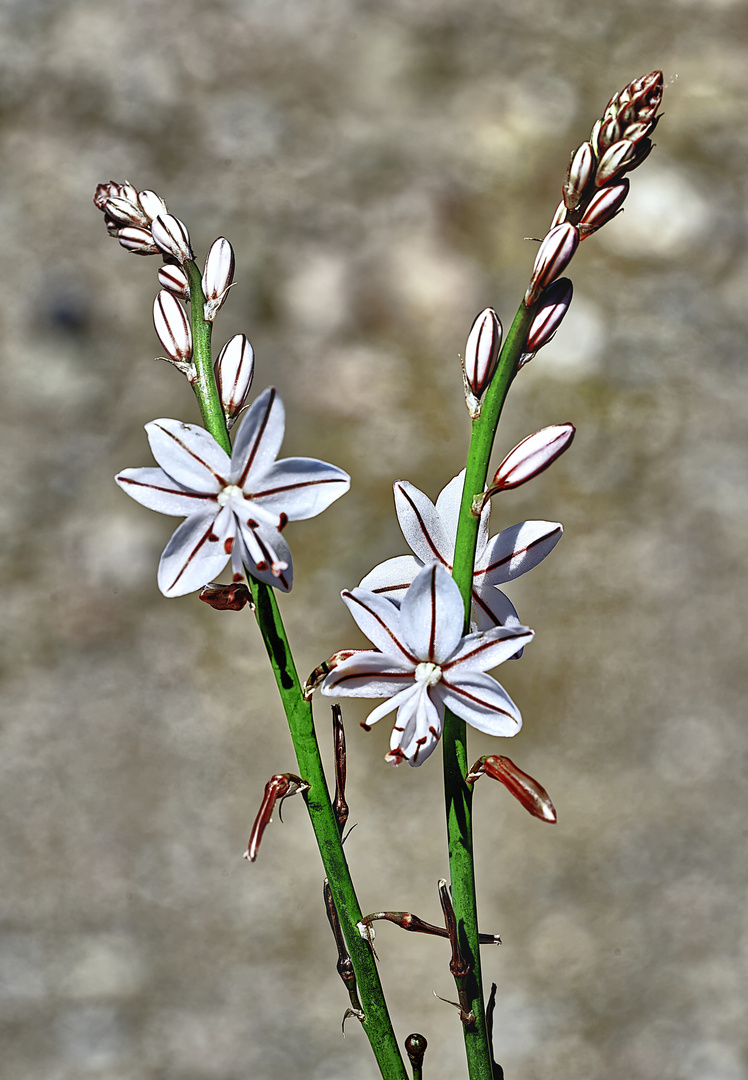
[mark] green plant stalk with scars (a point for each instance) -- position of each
(377, 1023)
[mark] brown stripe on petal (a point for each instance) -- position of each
(412, 659)
(521, 639)
(195, 457)
(166, 490)
(424, 530)
(516, 552)
(258, 438)
(205, 537)
(467, 696)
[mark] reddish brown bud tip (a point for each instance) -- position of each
(415, 1048)
(231, 597)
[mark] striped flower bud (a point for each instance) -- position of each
(608, 132)
(217, 277)
(139, 241)
(578, 175)
(554, 256)
(532, 456)
(172, 326)
(603, 206)
(617, 159)
(554, 303)
(482, 351)
(120, 203)
(174, 280)
(172, 238)
(234, 369)
(152, 205)
(560, 216)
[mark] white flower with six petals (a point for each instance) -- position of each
(235, 507)
(423, 664)
(431, 530)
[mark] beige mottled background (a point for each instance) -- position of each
(376, 167)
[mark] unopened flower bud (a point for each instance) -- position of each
(482, 351)
(172, 326)
(578, 176)
(234, 369)
(603, 206)
(560, 216)
(415, 1048)
(217, 276)
(139, 241)
(172, 237)
(607, 132)
(532, 456)
(554, 303)
(617, 159)
(554, 256)
(523, 787)
(174, 280)
(119, 202)
(152, 205)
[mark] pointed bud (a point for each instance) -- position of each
(217, 276)
(554, 303)
(554, 256)
(172, 237)
(119, 202)
(523, 787)
(607, 133)
(139, 241)
(578, 176)
(415, 1048)
(482, 351)
(234, 369)
(152, 205)
(603, 206)
(278, 787)
(617, 159)
(174, 280)
(172, 326)
(532, 456)
(560, 216)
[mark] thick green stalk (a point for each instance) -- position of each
(377, 1024)
(458, 795)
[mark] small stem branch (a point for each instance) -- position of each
(458, 794)
(205, 387)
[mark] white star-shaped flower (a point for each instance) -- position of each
(422, 664)
(235, 507)
(431, 530)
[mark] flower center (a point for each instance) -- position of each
(231, 491)
(427, 673)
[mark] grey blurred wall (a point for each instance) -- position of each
(377, 167)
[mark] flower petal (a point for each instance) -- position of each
(266, 554)
(196, 553)
(486, 649)
(380, 621)
(259, 437)
(491, 607)
(417, 729)
(158, 491)
(432, 615)
(366, 674)
(392, 578)
(299, 487)
(516, 550)
(189, 454)
(448, 509)
(482, 702)
(421, 525)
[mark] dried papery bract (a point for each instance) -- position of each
(234, 370)
(278, 788)
(531, 794)
(217, 277)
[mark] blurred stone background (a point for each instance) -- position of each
(376, 167)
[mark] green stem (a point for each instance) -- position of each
(458, 794)
(377, 1023)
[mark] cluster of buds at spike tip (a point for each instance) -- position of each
(234, 369)
(141, 221)
(523, 787)
(278, 788)
(594, 187)
(174, 332)
(481, 358)
(527, 460)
